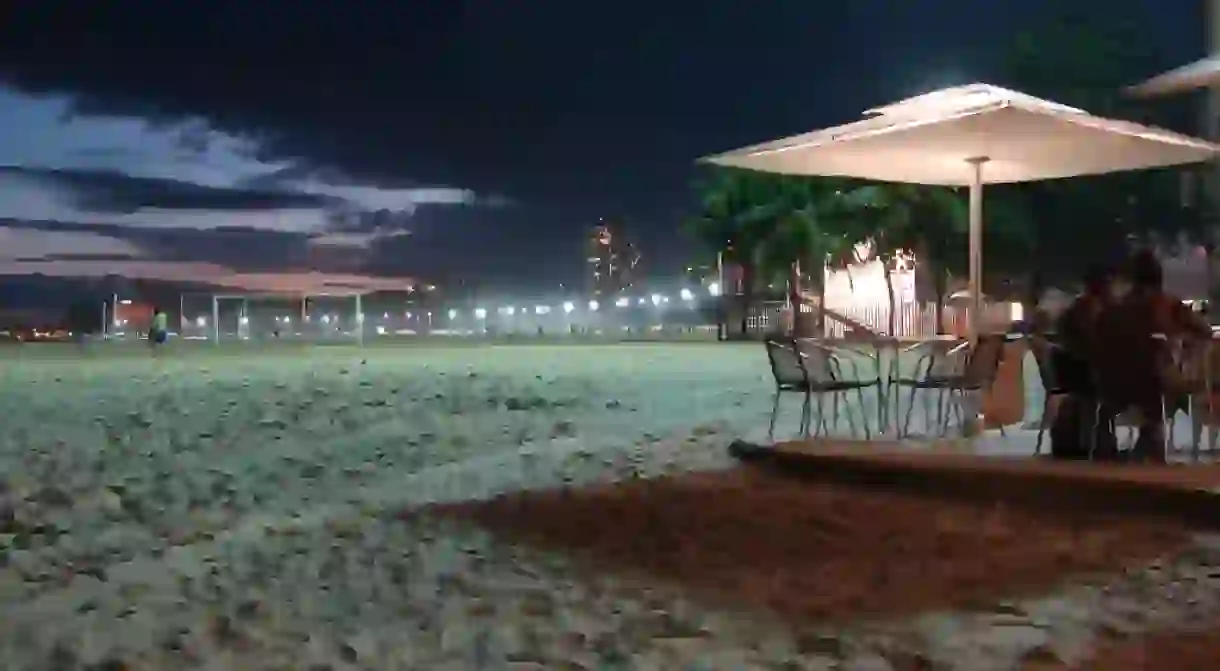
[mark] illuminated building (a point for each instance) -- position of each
(612, 261)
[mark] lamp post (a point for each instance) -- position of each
(721, 313)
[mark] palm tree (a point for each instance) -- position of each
(814, 230)
(738, 212)
(932, 223)
(884, 215)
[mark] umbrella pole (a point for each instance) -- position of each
(976, 244)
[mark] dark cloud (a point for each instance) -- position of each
(74, 257)
(243, 249)
(111, 191)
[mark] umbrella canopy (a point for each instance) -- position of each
(1200, 74)
(970, 136)
(930, 139)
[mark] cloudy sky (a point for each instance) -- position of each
(471, 139)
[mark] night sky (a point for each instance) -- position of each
(447, 139)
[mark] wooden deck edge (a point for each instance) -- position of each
(1027, 488)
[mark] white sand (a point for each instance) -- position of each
(235, 509)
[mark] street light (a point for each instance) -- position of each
(480, 313)
(687, 295)
(452, 314)
(714, 288)
(568, 306)
(622, 302)
(593, 305)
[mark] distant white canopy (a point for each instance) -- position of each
(971, 136)
(1200, 74)
(286, 283)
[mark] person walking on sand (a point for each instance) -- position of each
(159, 330)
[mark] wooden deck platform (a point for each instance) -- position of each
(1188, 492)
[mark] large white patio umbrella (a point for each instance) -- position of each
(1201, 74)
(971, 136)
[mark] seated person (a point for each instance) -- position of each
(1134, 355)
(1077, 331)
(1071, 360)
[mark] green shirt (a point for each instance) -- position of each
(160, 322)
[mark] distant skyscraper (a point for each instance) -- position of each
(612, 261)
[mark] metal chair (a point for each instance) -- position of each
(976, 375)
(813, 370)
(1129, 416)
(1044, 352)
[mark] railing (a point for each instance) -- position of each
(912, 319)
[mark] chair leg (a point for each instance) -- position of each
(1196, 429)
(882, 403)
(851, 422)
(955, 409)
(1166, 429)
(774, 416)
(821, 418)
(1092, 437)
(942, 423)
(906, 424)
(1046, 408)
(863, 413)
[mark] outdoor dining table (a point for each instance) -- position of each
(1000, 405)
(886, 353)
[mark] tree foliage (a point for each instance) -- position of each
(1085, 61)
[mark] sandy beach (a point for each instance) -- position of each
(277, 509)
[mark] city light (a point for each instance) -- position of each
(714, 288)
(593, 305)
(542, 309)
(643, 301)
(687, 295)
(452, 314)
(568, 306)
(510, 311)
(657, 298)
(622, 302)
(325, 319)
(125, 301)
(201, 322)
(480, 313)
(243, 320)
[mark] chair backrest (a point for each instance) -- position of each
(786, 364)
(983, 364)
(816, 358)
(1201, 366)
(946, 358)
(1044, 356)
